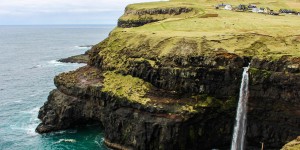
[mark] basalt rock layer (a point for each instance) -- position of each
(152, 90)
(138, 16)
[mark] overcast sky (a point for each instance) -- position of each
(24, 12)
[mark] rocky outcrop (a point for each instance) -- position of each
(187, 102)
(136, 23)
(168, 120)
(284, 64)
(273, 116)
(82, 58)
(70, 104)
(138, 17)
(62, 111)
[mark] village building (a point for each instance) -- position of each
(228, 7)
(252, 6)
(242, 7)
(267, 10)
(257, 10)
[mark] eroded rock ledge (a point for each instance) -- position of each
(136, 16)
(167, 117)
(186, 101)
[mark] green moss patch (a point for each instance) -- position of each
(259, 73)
(200, 102)
(127, 87)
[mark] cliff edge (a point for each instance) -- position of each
(168, 77)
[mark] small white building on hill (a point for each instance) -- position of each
(257, 10)
(228, 7)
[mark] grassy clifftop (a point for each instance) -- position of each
(198, 22)
(161, 32)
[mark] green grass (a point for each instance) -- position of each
(126, 87)
(243, 33)
(154, 5)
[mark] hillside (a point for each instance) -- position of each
(235, 32)
(168, 77)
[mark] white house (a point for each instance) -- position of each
(228, 7)
(257, 10)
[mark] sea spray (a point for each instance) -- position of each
(238, 138)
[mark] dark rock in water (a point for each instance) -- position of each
(62, 111)
(83, 58)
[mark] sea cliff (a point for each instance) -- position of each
(168, 77)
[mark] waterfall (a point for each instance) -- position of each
(238, 138)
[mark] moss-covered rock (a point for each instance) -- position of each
(128, 87)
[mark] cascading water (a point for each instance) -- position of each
(238, 138)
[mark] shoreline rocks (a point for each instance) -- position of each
(83, 58)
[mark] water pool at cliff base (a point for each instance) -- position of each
(27, 68)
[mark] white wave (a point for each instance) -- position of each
(18, 101)
(100, 142)
(29, 126)
(65, 140)
(32, 122)
(30, 130)
(57, 132)
(84, 46)
(32, 111)
(35, 94)
(72, 131)
(63, 132)
(35, 66)
(56, 63)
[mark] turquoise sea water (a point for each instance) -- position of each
(28, 64)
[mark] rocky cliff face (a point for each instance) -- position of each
(171, 92)
(191, 107)
(273, 116)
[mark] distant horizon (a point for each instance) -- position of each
(56, 24)
(63, 12)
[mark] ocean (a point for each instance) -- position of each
(28, 65)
